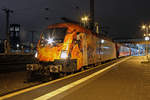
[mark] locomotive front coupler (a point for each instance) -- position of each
(33, 67)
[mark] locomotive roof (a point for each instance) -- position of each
(76, 27)
(70, 26)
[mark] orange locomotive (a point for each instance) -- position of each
(68, 47)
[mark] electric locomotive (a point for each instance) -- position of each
(66, 48)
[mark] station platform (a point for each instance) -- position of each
(124, 79)
(129, 80)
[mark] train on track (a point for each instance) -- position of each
(67, 47)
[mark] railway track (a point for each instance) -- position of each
(20, 78)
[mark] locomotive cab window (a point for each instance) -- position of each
(56, 35)
(78, 40)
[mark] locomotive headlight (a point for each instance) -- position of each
(147, 38)
(64, 55)
(50, 40)
(36, 54)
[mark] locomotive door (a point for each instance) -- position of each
(83, 47)
(85, 62)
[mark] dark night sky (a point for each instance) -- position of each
(122, 16)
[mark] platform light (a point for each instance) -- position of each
(102, 41)
(17, 45)
(143, 26)
(147, 38)
(85, 18)
(82, 18)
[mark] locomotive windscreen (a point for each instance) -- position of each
(58, 34)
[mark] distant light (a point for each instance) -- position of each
(17, 45)
(146, 38)
(85, 18)
(82, 19)
(50, 40)
(143, 27)
(102, 41)
(106, 47)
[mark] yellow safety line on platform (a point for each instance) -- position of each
(45, 84)
(71, 85)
